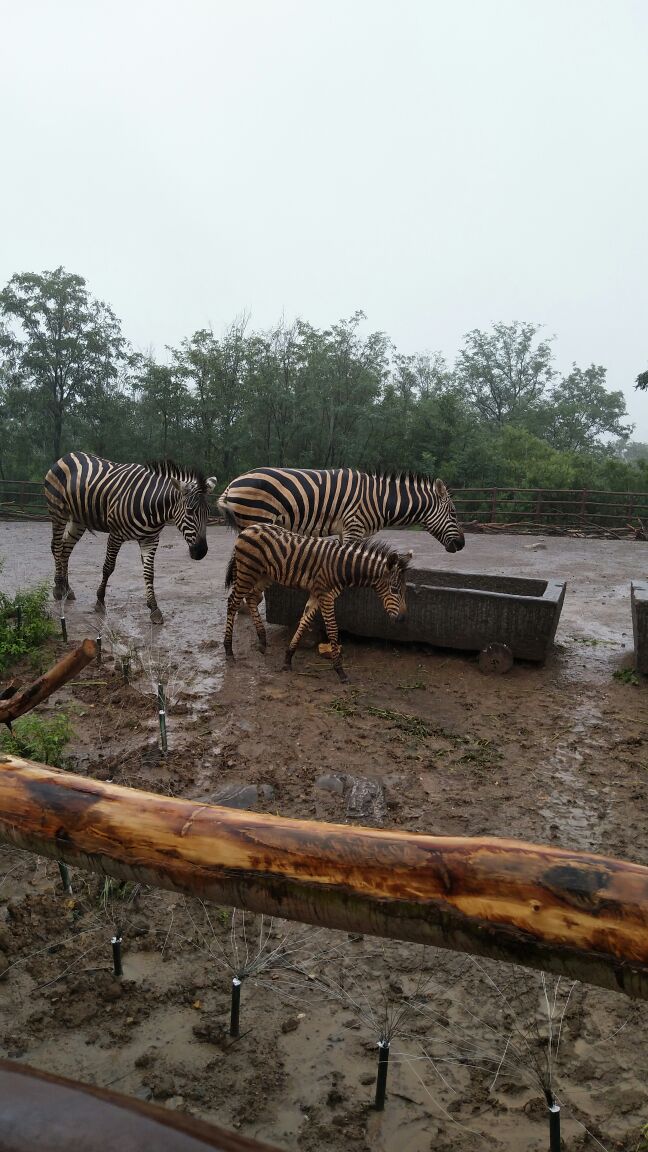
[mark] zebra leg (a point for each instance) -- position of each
(71, 536)
(308, 614)
(112, 552)
(148, 548)
(253, 599)
(235, 598)
(327, 605)
(58, 528)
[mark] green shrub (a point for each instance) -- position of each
(36, 738)
(25, 625)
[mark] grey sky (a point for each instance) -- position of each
(442, 166)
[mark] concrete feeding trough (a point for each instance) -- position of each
(448, 610)
(639, 601)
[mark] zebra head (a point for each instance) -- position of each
(390, 585)
(441, 519)
(190, 512)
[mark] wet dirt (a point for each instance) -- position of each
(420, 739)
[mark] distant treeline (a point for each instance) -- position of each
(302, 396)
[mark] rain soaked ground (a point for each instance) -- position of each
(419, 740)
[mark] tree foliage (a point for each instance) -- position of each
(296, 395)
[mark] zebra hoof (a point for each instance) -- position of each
(286, 667)
(229, 657)
(157, 617)
(262, 648)
(69, 595)
(344, 679)
(100, 607)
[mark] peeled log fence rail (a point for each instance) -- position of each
(570, 913)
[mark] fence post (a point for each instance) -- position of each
(583, 503)
(493, 504)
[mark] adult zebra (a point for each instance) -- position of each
(341, 502)
(129, 502)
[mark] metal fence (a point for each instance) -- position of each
(566, 508)
(518, 507)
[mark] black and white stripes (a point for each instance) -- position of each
(129, 502)
(341, 502)
(265, 553)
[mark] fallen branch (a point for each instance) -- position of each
(566, 912)
(66, 669)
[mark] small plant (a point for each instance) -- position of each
(627, 676)
(39, 739)
(25, 625)
(412, 726)
(344, 706)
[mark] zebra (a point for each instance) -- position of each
(341, 502)
(129, 502)
(264, 553)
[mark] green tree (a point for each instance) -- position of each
(163, 408)
(642, 381)
(65, 346)
(579, 411)
(504, 372)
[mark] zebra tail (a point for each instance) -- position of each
(226, 512)
(230, 575)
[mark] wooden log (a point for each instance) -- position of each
(571, 913)
(44, 1113)
(35, 693)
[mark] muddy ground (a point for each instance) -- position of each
(420, 739)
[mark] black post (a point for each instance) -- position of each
(65, 876)
(64, 628)
(236, 1007)
(554, 1127)
(98, 649)
(116, 951)
(18, 617)
(381, 1079)
(162, 715)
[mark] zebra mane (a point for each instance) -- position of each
(405, 474)
(172, 471)
(383, 550)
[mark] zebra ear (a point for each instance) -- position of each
(176, 483)
(440, 489)
(210, 483)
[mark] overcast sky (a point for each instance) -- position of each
(441, 165)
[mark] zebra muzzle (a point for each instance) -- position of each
(197, 551)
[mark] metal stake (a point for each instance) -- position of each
(116, 951)
(162, 715)
(554, 1127)
(64, 628)
(381, 1078)
(98, 649)
(65, 876)
(236, 1006)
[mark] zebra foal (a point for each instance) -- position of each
(342, 502)
(129, 502)
(265, 553)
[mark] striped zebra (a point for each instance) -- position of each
(129, 502)
(341, 502)
(265, 553)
